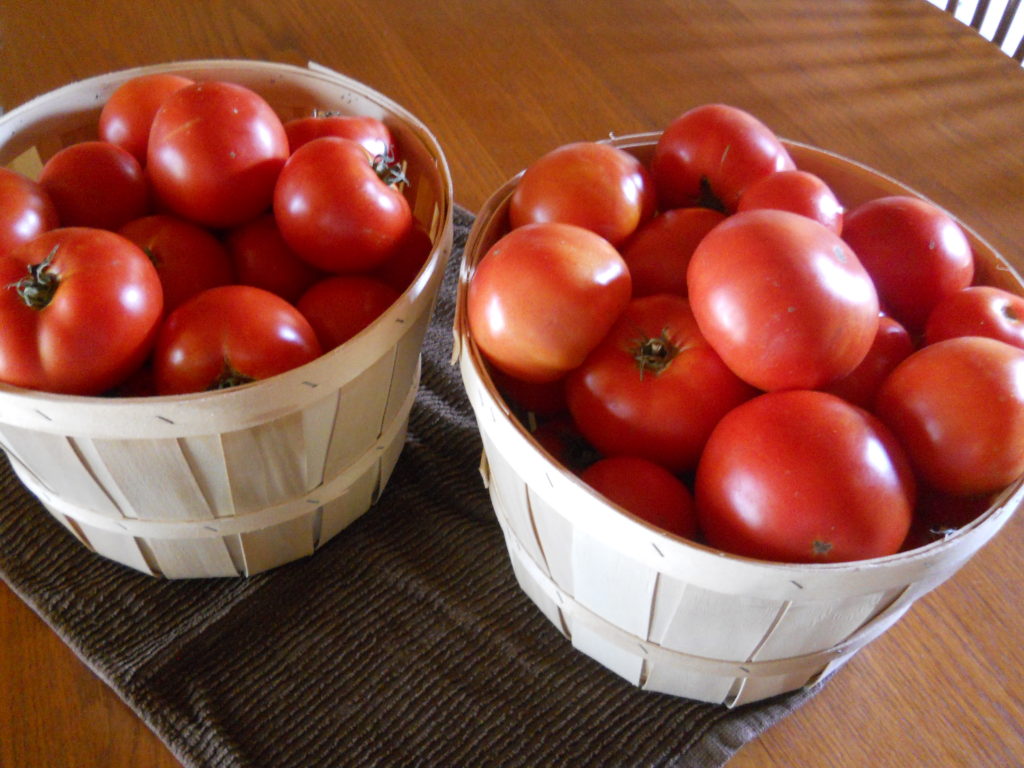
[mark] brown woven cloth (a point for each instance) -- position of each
(405, 641)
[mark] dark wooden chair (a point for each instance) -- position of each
(980, 16)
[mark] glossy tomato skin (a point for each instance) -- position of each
(95, 184)
(228, 336)
(978, 310)
(340, 306)
(373, 134)
(543, 296)
(26, 211)
(653, 388)
(128, 114)
(187, 257)
(335, 212)
(659, 252)
(646, 490)
(215, 151)
(892, 345)
(796, 191)
(783, 300)
(406, 263)
(914, 251)
(958, 407)
(261, 258)
(592, 185)
(803, 476)
(710, 154)
(100, 322)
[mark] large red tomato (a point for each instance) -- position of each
(593, 185)
(659, 252)
(335, 211)
(782, 299)
(127, 116)
(215, 151)
(340, 306)
(892, 345)
(368, 131)
(797, 191)
(914, 251)
(26, 211)
(228, 336)
(543, 296)
(79, 309)
(978, 310)
(710, 154)
(958, 407)
(803, 476)
(262, 258)
(653, 388)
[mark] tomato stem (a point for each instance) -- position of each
(38, 287)
(653, 354)
(229, 377)
(390, 171)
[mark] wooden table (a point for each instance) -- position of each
(895, 84)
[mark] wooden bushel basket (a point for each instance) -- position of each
(668, 614)
(233, 482)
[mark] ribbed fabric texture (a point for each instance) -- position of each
(404, 641)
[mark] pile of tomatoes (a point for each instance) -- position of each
(715, 344)
(200, 242)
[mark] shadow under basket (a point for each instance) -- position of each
(667, 614)
(238, 481)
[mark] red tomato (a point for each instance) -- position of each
(796, 191)
(783, 300)
(215, 151)
(335, 211)
(128, 114)
(592, 185)
(803, 476)
(560, 438)
(26, 211)
(543, 296)
(914, 251)
(188, 258)
(340, 306)
(79, 310)
(653, 388)
(405, 264)
(368, 131)
(978, 310)
(646, 490)
(263, 259)
(892, 345)
(958, 407)
(227, 336)
(659, 251)
(939, 515)
(541, 398)
(95, 184)
(710, 154)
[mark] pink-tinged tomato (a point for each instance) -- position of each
(373, 134)
(592, 185)
(645, 490)
(405, 264)
(215, 152)
(783, 300)
(710, 154)
(187, 257)
(127, 116)
(263, 259)
(95, 184)
(653, 388)
(914, 251)
(892, 345)
(659, 252)
(340, 306)
(958, 407)
(803, 476)
(543, 296)
(229, 336)
(979, 310)
(79, 309)
(26, 210)
(796, 191)
(336, 211)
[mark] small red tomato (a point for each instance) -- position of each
(403, 266)
(127, 116)
(646, 490)
(978, 310)
(958, 407)
(341, 306)
(368, 131)
(592, 185)
(263, 259)
(95, 184)
(228, 336)
(914, 251)
(26, 211)
(659, 252)
(796, 191)
(892, 345)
